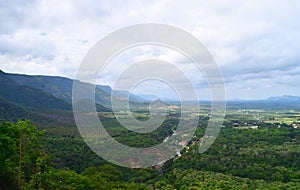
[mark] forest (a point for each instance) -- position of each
(58, 158)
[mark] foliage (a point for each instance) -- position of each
(29, 97)
(20, 151)
(264, 158)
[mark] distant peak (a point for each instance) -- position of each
(284, 98)
(158, 100)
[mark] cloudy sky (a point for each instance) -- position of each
(255, 43)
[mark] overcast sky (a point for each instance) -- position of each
(255, 43)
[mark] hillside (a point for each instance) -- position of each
(61, 88)
(11, 112)
(29, 97)
(46, 101)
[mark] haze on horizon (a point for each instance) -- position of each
(255, 43)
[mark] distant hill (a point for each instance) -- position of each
(148, 97)
(125, 94)
(284, 98)
(276, 102)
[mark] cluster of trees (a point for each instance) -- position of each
(24, 164)
(266, 158)
(268, 153)
(20, 155)
(193, 179)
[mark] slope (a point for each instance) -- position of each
(28, 96)
(61, 88)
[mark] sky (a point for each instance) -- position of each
(255, 43)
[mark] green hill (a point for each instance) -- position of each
(11, 112)
(61, 88)
(29, 97)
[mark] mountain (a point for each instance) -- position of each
(29, 97)
(61, 88)
(125, 94)
(148, 97)
(43, 100)
(285, 98)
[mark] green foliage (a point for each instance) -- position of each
(270, 154)
(28, 96)
(105, 177)
(61, 179)
(11, 112)
(266, 158)
(262, 158)
(106, 172)
(19, 150)
(71, 152)
(192, 179)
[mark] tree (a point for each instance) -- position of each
(19, 149)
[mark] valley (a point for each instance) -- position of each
(258, 146)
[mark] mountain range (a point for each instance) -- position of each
(285, 98)
(44, 98)
(61, 88)
(27, 97)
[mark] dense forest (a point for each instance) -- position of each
(267, 158)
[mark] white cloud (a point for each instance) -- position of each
(254, 42)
